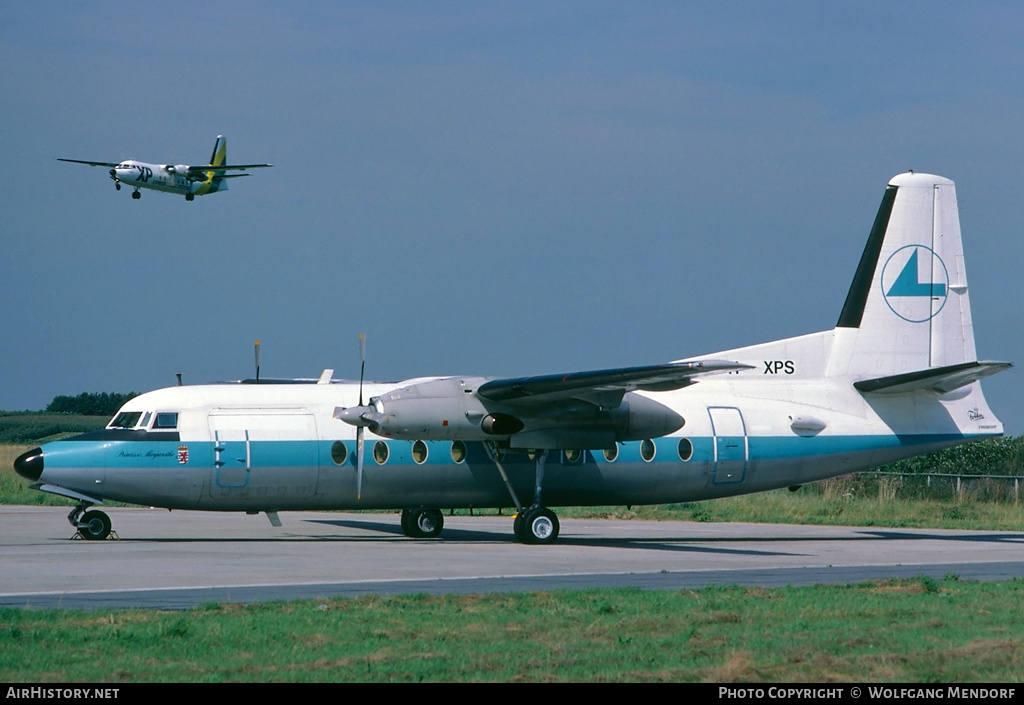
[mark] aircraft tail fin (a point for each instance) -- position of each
(215, 180)
(906, 324)
(908, 308)
(220, 152)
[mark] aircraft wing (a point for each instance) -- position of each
(80, 161)
(224, 167)
(603, 385)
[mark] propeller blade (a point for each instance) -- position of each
(359, 429)
(362, 364)
(359, 462)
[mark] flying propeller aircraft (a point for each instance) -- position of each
(182, 179)
(898, 376)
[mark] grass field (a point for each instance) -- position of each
(918, 631)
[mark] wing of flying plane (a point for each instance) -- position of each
(80, 161)
(200, 172)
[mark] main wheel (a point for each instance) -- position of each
(94, 525)
(539, 526)
(422, 523)
(190, 197)
(136, 194)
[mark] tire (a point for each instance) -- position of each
(539, 526)
(94, 526)
(422, 523)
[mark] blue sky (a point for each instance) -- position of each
(484, 188)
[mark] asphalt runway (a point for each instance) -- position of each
(177, 560)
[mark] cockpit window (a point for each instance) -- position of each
(146, 418)
(126, 419)
(166, 419)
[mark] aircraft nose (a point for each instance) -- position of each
(113, 173)
(30, 464)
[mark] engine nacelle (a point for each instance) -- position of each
(442, 409)
(448, 409)
(181, 169)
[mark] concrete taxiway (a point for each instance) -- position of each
(175, 560)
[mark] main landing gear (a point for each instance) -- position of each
(536, 524)
(92, 525)
(422, 523)
(136, 195)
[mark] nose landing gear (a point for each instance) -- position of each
(92, 525)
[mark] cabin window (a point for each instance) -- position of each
(419, 452)
(685, 449)
(166, 419)
(647, 450)
(126, 419)
(458, 451)
(339, 453)
(610, 454)
(380, 452)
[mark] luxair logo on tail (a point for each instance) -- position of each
(915, 283)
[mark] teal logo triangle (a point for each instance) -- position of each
(909, 284)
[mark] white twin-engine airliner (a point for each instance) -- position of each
(898, 376)
(182, 179)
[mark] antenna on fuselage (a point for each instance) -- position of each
(257, 362)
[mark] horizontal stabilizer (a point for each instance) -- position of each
(938, 379)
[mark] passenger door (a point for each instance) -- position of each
(731, 450)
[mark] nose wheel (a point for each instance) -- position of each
(92, 525)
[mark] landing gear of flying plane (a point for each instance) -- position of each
(93, 525)
(190, 197)
(117, 186)
(136, 195)
(422, 523)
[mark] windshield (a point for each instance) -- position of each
(126, 419)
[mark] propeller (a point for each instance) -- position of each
(359, 428)
(360, 416)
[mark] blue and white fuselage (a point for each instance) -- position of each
(897, 377)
